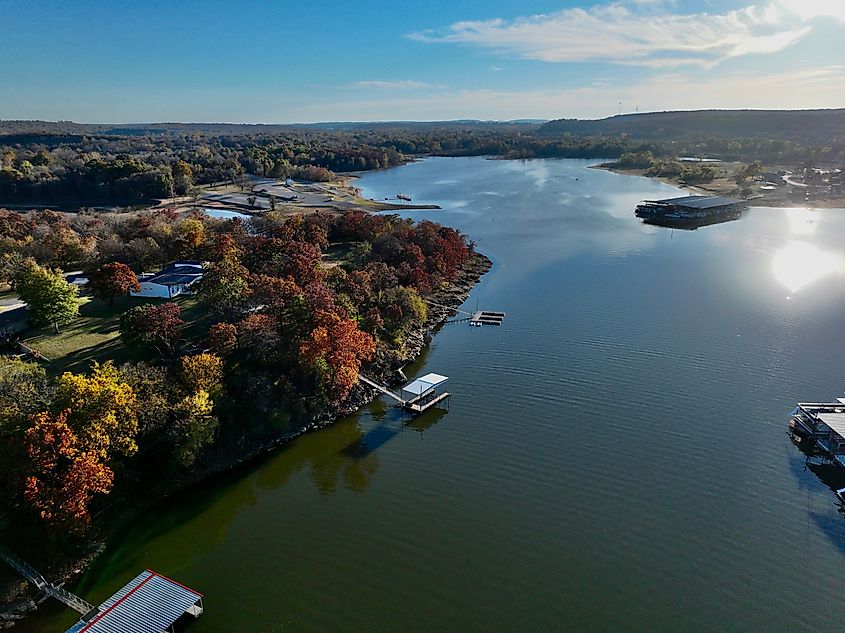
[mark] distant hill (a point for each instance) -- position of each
(808, 127)
(46, 128)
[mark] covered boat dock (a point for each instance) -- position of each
(424, 392)
(149, 603)
(417, 396)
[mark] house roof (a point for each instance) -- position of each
(175, 276)
(149, 603)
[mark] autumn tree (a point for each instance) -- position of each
(197, 425)
(189, 237)
(62, 476)
(102, 410)
(91, 422)
(50, 298)
(224, 285)
(155, 326)
(335, 350)
(202, 372)
(223, 337)
(155, 393)
(113, 280)
(23, 391)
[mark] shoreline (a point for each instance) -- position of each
(18, 600)
(714, 189)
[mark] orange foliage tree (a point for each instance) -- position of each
(335, 349)
(94, 419)
(65, 477)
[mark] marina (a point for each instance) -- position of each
(690, 212)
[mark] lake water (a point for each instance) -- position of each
(615, 456)
(225, 214)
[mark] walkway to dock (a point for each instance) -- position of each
(381, 388)
(56, 591)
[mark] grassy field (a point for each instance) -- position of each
(94, 335)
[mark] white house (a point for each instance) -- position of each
(176, 279)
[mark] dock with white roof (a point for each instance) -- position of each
(417, 396)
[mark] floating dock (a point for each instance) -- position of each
(483, 317)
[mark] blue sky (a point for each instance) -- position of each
(294, 61)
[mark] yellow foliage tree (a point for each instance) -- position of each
(197, 425)
(102, 410)
(202, 372)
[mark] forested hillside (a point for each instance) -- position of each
(820, 127)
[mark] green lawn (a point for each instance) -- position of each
(94, 335)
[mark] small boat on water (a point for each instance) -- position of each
(403, 196)
(840, 494)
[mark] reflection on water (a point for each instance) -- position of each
(801, 221)
(800, 264)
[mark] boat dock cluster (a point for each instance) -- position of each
(821, 426)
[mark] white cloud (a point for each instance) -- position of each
(404, 84)
(811, 9)
(643, 35)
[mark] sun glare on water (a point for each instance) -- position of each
(798, 265)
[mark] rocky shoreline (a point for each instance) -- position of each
(16, 600)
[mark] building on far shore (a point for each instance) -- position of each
(175, 279)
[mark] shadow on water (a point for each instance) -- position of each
(424, 422)
(830, 475)
(342, 454)
(833, 527)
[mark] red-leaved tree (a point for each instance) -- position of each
(113, 280)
